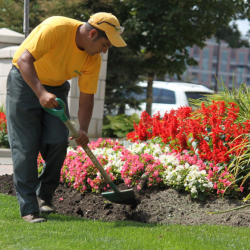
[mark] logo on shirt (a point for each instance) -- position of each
(77, 72)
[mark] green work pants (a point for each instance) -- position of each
(32, 130)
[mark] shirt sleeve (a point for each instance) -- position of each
(88, 80)
(42, 42)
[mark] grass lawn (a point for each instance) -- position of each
(63, 232)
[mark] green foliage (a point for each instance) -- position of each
(69, 8)
(119, 126)
(231, 35)
(240, 96)
(157, 33)
(11, 12)
(4, 143)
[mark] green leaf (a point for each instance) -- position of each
(201, 196)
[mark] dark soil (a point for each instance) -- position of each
(165, 206)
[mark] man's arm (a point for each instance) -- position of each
(86, 105)
(29, 74)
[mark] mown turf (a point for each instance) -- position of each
(62, 232)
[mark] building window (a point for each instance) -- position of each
(196, 66)
(204, 77)
(248, 81)
(215, 52)
(206, 53)
(248, 70)
(194, 77)
(231, 81)
(240, 75)
(214, 67)
(242, 58)
(249, 58)
(205, 60)
(233, 55)
(223, 67)
(196, 52)
(233, 69)
(205, 64)
(224, 55)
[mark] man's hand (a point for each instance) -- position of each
(48, 100)
(82, 140)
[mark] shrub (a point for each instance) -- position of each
(119, 126)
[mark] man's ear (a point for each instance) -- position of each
(93, 33)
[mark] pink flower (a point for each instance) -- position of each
(60, 199)
(156, 173)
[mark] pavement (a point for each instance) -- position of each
(6, 165)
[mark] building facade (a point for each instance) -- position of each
(218, 63)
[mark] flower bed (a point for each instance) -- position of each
(136, 163)
(3, 131)
(185, 150)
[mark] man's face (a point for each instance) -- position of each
(90, 43)
(97, 46)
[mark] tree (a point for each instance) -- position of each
(11, 12)
(122, 74)
(160, 31)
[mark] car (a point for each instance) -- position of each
(168, 96)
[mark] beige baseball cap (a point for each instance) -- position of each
(110, 24)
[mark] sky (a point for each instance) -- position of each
(243, 26)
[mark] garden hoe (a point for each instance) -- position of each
(121, 197)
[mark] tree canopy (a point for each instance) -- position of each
(160, 31)
(157, 33)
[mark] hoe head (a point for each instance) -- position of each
(120, 197)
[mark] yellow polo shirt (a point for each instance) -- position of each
(52, 44)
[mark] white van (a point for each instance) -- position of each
(168, 95)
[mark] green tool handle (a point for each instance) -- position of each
(89, 152)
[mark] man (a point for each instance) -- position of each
(56, 50)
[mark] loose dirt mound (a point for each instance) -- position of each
(166, 206)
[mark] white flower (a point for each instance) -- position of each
(193, 190)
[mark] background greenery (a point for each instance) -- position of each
(157, 34)
(119, 126)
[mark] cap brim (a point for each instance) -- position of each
(116, 40)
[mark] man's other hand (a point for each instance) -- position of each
(82, 140)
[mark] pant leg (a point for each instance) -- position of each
(53, 146)
(24, 131)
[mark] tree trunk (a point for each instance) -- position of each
(150, 93)
(121, 109)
